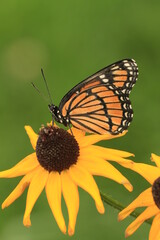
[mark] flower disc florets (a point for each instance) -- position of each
(56, 149)
(156, 192)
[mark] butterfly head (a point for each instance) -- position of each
(57, 115)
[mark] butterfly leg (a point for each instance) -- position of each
(70, 130)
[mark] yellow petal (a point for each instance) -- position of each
(91, 139)
(71, 197)
(32, 136)
(155, 229)
(53, 192)
(85, 180)
(150, 173)
(143, 200)
(111, 151)
(148, 213)
(105, 154)
(23, 167)
(54, 124)
(155, 159)
(77, 133)
(50, 123)
(36, 187)
(17, 192)
(98, 166)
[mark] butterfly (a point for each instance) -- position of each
(100, 104)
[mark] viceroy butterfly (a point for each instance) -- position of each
(100, 103)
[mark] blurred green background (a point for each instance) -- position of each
(71, 40)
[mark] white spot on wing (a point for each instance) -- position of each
(116, 131)
(124, 122)
(105, 80)
(110, 87)
(102, 76)
(126, 114)
(126, 65)
(125, 106)
(114, 68)
(122, 99)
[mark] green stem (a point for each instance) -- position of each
(110, 201)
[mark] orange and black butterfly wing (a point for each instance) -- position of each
(100, 109)
(122, 74)
(111, 105)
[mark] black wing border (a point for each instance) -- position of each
(88, 79)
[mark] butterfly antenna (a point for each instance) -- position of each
(46, 86)
(39, 92)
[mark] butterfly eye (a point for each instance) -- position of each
(51, 107)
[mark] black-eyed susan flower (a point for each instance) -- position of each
(150, 198)
(62, 162)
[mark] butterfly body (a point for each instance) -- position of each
(100, 103)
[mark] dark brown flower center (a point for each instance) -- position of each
(156, 192)
(56, 149)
